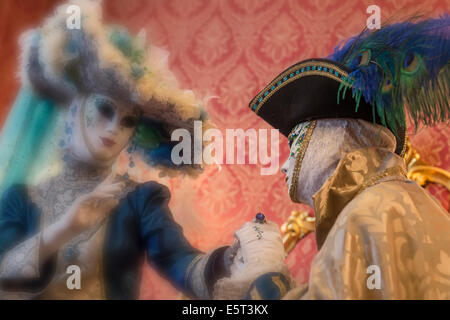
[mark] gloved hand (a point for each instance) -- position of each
(258, 249)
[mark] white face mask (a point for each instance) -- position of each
(98, 128)
(331, 139)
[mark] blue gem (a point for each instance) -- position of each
(266, 93)
(319, 68)
(285, 78)
(279, 82)
(297, 72)
(273, 88)
(313, 67)
(325, 68)
(260, 217)
(308, 68)
(330, 70)
(291, 75)
(303, 69)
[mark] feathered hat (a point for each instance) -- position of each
(60, 62)
(400, 66)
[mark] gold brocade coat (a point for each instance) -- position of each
(380, 235)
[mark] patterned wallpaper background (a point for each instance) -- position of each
(229, 49)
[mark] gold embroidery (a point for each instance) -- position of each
(396, 226)
(277, 281)
(254, 294)
(405, 142)
(345, 184)
(376, 178)
(298, 162)
(373, 180)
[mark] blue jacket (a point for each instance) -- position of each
(140, 224)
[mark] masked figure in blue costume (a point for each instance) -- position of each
(380, 235)
(88, 94)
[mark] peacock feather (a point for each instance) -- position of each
(402, 66)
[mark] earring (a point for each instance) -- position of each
(130, 151)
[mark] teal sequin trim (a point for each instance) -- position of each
(298, 131)
(302, 72)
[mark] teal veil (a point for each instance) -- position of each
(29, 148)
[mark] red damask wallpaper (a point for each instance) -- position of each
(229, 49)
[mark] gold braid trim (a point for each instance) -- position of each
(376, 178)
(402, 153)
(298, 162)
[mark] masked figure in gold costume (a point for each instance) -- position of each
(380, 235)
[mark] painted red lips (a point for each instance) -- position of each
(107, 142)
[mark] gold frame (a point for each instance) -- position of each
(298, 226)
(421, 172)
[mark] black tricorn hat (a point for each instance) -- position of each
(310, 90)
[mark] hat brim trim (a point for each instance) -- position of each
(303, 69)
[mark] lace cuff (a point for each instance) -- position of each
(21, 275)
(22, 261)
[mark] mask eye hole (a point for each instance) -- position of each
(105, 109)
(410, 62)
(362, 59)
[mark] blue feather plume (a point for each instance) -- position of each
(401, 66)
